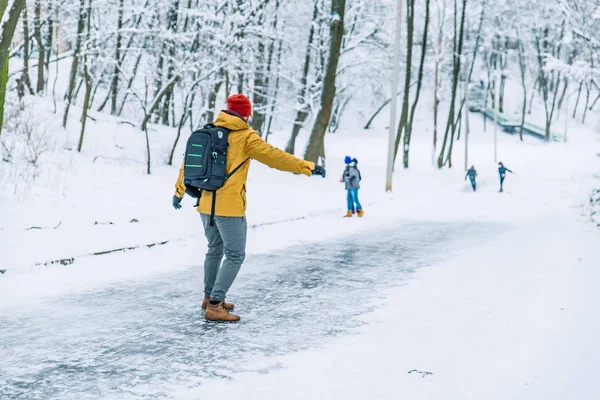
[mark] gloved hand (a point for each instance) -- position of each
(319, 170)
(177, 202)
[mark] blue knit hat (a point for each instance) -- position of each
(348, 159)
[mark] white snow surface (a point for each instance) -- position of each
(494, 296)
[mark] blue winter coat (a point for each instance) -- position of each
(502, 171)
(471, 173)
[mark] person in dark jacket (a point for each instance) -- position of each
(351, 178)
(502, 172)
(471, 174)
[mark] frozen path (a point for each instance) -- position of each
(147, 339)
(509, 318)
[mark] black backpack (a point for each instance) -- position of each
(205, 163)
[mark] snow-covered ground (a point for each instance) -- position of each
(493, 294)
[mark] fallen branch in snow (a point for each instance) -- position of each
(41, 227)
(126, 123)
(71, 260)
(424, 373)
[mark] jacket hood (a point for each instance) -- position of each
(231, 121)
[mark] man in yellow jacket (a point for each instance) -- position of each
(227, 236)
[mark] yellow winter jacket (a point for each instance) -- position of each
(243, 143)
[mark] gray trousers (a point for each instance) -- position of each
(228, 238)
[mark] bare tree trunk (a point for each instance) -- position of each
(37, 33)
(240, 83)
(577, 101)
(185, 115)
(172, 27)
(594, 102)
(87, 79)
(212, 98)
(158, 81)
(488, 86)
(258, 94)
(532, 95)
(410, 23)
(148, 111)
(436, 101)
(543, 80)
(503, 60)
(276, 90)
(266, 123)
(227, 84)
(409, 126)
(340, 102)
(261, 80)
(450, 124)
(7, 30)
(148, 154)
(316, 144)
(48, 37)
(75, 64)
(25, 79)
(376, 113)
(119, 62)
(302, 106)
(587, 100)
(523, 83)
(562, 96)
(130, 82)
(556, 87)
(547, 82)
(114, 85)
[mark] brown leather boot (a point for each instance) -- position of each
(227, 306)
(217, 312)
(361, 213)
(348, 214)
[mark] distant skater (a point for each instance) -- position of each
(502, 172)
(472, 174)
(351, 178)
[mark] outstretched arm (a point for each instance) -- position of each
(179, 186)
(273, 157)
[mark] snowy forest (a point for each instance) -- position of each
(305, 64)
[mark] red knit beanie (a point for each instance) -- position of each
(240, 104)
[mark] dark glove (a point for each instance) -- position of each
(177, 202)
(319, 170)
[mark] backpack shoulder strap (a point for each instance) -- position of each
(236, 168)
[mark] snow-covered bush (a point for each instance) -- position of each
(27, 147)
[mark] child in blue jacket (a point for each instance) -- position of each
(351, 178)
